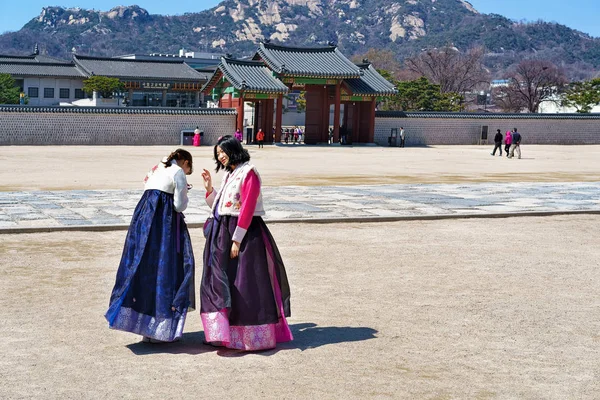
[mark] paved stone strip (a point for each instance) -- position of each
(56, 209)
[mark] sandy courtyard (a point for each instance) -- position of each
(406, 310)
(27, 168)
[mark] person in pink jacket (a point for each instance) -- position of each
(507, 142)
(245, 294)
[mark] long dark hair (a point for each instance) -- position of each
(234, 150)
(180, 154)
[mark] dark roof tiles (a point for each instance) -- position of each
(321, 62)
(251, 76)
(470, 115)
(41, 69)
(139, 69)
(118, 110)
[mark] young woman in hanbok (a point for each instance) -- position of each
(155, 281)
(245, 295)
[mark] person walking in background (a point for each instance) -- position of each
(516, 144)
(295, 134)
(497, 143)
(402, 136)
(245, 294)
(196, 137)
(260, 137)
(300, 135)
(507, 142)
(238, 135)
(154, 287)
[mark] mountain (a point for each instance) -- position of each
(235, 26)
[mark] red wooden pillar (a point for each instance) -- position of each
(278, 118)
(240, 113)
(371, 131)
(268, 129)
(336, 112)
(325, 115)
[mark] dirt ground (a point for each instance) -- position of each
(123, 167)
(406, 310)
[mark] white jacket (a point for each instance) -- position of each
(169, 180)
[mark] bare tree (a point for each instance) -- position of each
(529, 84)
(452, 70)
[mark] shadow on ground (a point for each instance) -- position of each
(310, 336)
(306, 336)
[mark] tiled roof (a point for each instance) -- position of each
(251, 76)
(322, 62)
(139, 69)
(466, 115)
(370, 83)
(41, 69)
(119, 110)
(32, 59)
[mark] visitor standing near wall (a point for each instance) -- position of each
(245, 294)
(238, 135)
(155, 281)
(197, 136)
(507, 142)
(516, 144)
(402, 136)
(497, 143)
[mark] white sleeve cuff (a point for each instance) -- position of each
(238, 234)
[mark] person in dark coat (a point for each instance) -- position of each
(497, 143)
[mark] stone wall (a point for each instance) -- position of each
(25, 125)
(423, 128)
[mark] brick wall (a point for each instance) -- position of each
(97, 126)
(462, 128)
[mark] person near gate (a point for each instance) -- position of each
(497, 143)
(238, 135)
(260, 137)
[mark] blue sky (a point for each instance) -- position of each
(578, 14)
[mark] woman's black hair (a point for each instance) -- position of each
(234, 150)
(179, 154)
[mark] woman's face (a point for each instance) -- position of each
(222, 157)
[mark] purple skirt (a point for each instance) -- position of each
(245, 300)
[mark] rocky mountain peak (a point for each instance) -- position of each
(53, 17)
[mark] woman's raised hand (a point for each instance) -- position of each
(207, 180)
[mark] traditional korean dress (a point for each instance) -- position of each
(156, 271)
(244, 300)
(196, 141)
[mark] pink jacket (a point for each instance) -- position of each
(508, 138)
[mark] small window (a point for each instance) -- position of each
(64, 93)
(33, 92)
(48, 93)
(79, 94)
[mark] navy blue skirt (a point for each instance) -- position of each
(156, 273)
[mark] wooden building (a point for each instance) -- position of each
(326, 76)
